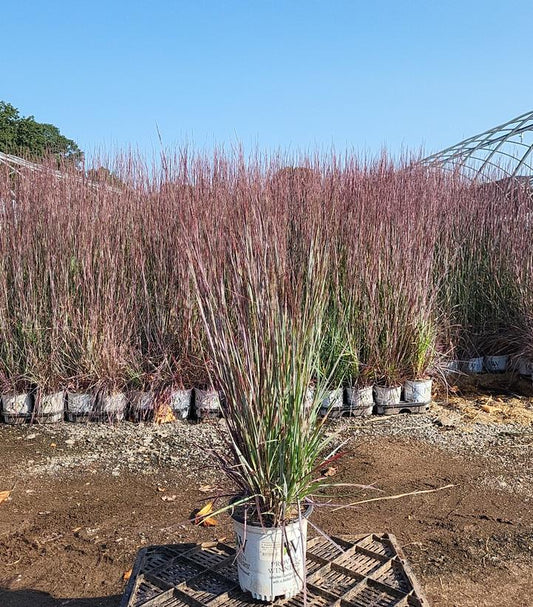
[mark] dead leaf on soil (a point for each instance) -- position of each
(164, 415)
(169, 498)
(202, 517)
(208, 522)
(205, 488)
(127, 575)
(4, 495)
(331, 471)
(161, 489)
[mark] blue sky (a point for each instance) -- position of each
(297, 75)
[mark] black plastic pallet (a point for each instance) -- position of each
(362, 571)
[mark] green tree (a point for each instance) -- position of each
(24, 136)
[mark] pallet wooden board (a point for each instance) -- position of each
(362, 571)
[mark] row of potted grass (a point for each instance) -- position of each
(96, 285)
(201, 404)
(197, 404)
(111, 406)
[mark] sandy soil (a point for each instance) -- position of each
(87, 497)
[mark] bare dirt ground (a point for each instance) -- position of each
(87, 497)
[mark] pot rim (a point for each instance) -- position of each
(309, 507)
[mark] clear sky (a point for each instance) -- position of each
(298, 74)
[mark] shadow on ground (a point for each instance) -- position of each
(35, 598)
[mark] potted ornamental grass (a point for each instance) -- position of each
(336, 364)
(17, 399)
(341, 364)
(263, 323)
(423, 355)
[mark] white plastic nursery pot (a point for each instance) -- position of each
(113, 406)
(496, 364)
(525, 367)
(473, 365)
(309, 397)
(17, 408)
(141, 405)
(180, 403)
(417, 391)
(271, 560)
(387, 397)
(332, 405)
(80, 407)
(49, 408)
(206, 404)
(360, 401)
(453, 366)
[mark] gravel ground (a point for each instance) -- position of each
(146, 448)
(87, 496)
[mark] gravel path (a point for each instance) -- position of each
(146, 448)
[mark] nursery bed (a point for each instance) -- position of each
(88, 497)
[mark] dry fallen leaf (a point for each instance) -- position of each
(205, 488)
(169, 498)
(161, 489)
(127, 575)
(208, 522)
(202, 517)
(164, 415)
(331, 471)
(207, 509)
(4, 495)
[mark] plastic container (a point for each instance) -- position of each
(309, 398)
(112, 407)
(271, 560)
(417, 391)
(80, 407)
(525, 367)
(141, 405)
(180, 403)
(332, 405)
(387, 396)
(359, 401)
(49, 408)
(402, 407)
(207, 404)
(453, 366)
(496, 364)
(473, 365)
(17, 408)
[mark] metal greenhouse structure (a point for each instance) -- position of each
(503, 153)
